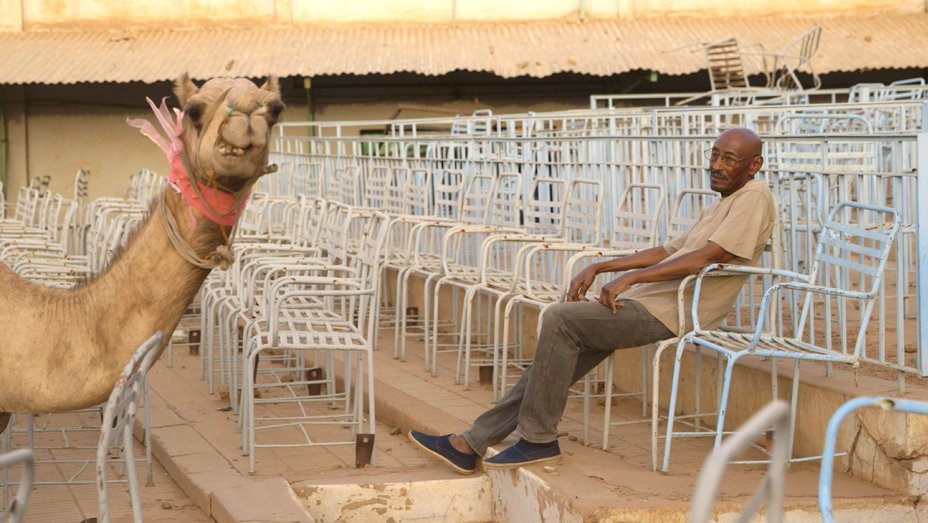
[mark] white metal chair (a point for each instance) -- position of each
(348, 293)
(542, 282)
(416, 187)
(116, 432)
(849, 261)
(783, 72)
(687, 207)
(423, 248)
(831, 437)
(491, 205)
(16, 510)
(556, 212)
(772, 485)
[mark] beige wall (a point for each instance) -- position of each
(57, 141)
(29, 14)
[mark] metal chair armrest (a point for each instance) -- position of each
(720, 269)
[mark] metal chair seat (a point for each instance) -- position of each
(769, 346)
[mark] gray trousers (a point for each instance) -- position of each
(575, 337)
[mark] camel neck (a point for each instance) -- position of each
(151, 269)
(148, 287)
(94, 329)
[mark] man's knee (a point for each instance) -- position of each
(556, 315)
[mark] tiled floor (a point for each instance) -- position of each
(65, 492)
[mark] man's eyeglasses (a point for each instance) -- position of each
(727, 160)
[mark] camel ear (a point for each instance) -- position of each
(271, 85)
(184, 88)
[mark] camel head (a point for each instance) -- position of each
(227, 127)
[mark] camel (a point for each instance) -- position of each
(62, 350)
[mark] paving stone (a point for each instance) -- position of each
(268, 501)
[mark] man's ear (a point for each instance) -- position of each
(757, 164)
(184, 88)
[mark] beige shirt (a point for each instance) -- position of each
(741, 223)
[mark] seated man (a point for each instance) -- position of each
(637, 308)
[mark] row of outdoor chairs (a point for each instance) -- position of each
(451, 229)
(308, 293)
(449, 258)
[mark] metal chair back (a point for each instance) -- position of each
(831, 437)
(16, 511)
(118, 423)
(850, 258)
(583, 207)
(726, 68)
(771, 489)
(636, 219)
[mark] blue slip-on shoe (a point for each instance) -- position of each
(524, 453)
(440, 447)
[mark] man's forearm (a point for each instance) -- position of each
(645, 258)
(682, 266)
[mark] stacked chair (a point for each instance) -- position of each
(497, 201)
(325, 308)
(556, 212)
(302, 294)
(421, 241)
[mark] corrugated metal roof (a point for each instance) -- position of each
(600, 48)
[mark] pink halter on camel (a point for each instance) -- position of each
(217, 205)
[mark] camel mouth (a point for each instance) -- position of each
(230, 151)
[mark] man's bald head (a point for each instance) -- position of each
(744, 139)
(735, 159)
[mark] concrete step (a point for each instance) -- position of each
(197, 441)
(591, 484)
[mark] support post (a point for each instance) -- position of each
(922, 250)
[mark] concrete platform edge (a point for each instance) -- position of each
(221, 492)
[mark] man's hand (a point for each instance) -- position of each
(612, 289)
(581, 283)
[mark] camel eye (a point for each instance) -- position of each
(194, 111)
(274, 110)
